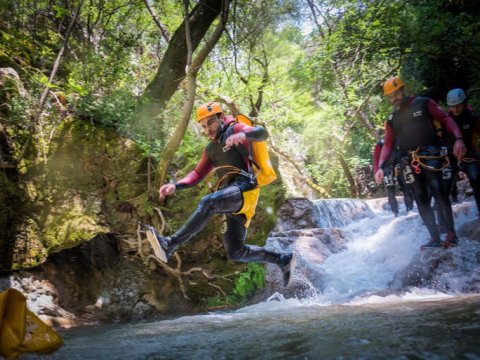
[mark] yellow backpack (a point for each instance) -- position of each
(259, 158)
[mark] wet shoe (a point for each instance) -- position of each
(451, 240)
(159, 244)
(431, 244)
(287, 268)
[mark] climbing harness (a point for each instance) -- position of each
(468, 160)
(419, 161)
(232, 170)
(389, 180)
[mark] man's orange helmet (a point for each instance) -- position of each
(392, 85)
(208, 109)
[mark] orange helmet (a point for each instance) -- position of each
(208, 109)
(392, 85)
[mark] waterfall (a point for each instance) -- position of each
(354, 249)
(340, 212)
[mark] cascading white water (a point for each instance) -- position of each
(380, 248)
(340, 212)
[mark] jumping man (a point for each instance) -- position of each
(236, 195)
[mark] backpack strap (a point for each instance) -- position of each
(243, 150)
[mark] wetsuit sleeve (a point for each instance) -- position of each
(253, 133)
(443, 118)
(389, 141)
(202, 169)
(376, 157)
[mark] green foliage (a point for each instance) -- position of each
(250, 280)
(115, 110)
(246, 283)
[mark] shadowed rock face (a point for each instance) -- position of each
(299, 227)
(92, 282)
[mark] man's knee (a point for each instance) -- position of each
(206, 204)
(236, 253)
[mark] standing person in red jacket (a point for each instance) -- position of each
(424, 159)
(236, 195)
(469, 125)
(392, 176)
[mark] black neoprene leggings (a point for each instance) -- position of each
(227, 201)
(431, 182)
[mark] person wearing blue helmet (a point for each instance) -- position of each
(469, 123)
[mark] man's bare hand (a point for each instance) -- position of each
(236, 139)
(166, 190)
(379, 176)
(459, 149)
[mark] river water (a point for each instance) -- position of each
(425, 328)
(348, 318)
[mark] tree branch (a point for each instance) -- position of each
(156, 19)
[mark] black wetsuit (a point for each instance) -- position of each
(392, 176)
(412, 127)
(469, 123)
(227, 200)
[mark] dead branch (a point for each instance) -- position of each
(162, 218)
(140, 243)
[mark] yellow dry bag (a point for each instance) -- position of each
(21, 331)
(263, 168)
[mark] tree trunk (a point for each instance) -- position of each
(171, 71)
(177, 136)
(348, 175)
(192, 69)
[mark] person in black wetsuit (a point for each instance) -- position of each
(392, 176)
(469, 125)
(236, 195)
(423, 158)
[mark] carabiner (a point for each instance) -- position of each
(416, 165)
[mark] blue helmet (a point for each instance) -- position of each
(456, 96)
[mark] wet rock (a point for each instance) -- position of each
(313, 247)
(296, 213)
(453, 270)
(470, 230)
(423, 270)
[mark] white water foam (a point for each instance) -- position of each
(381, 246)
